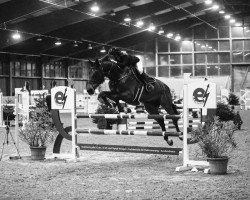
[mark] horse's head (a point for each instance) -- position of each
(96, 76)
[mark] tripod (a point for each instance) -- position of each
(6, 137)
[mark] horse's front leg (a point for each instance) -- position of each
(105, 95)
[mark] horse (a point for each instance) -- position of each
(125, 85)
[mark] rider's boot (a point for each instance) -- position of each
(146, 81)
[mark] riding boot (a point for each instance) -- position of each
(146, 81)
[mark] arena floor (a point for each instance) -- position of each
(113, 175)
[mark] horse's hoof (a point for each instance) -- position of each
(169, 141)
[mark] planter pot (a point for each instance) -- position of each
(218, 165)
(37, 153)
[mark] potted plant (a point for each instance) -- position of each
(39, 131)
(103, 123)
(216, 140)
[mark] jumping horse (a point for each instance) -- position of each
(124, 85)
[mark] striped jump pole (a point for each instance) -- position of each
(125, 132)
(126, 116)
(193, 121)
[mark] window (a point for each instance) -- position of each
(1, 68)
(200, 70)
(151, 71)
(247, 56)
(163, 59)
(212, 33)
(175, 59)
(187, 59)
(237, 45)
(149, 60)
(224, 46)
(29, 69)
(237, 57)
(17, 68)
(187, 69)
(186, 46)
(199, 58)
(211, 45)
(224, 70)
(212, 58)
(163, 71)
(23, 69)
(247, 45)
(223, 32)
(247, 32)
(175, 71)
(237, 32)
(212, 70)
(34, 70)
(47, 71)
(224, 57)
(175, 47)
(57, 70)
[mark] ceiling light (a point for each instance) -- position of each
(16, 35)
(75, 44)
(232, 21)
(210, 47)
(208, 2)
(95, 7)
(237, 24)
(39, 39)
(222, 12)
(215, 7)
(58, 43)
(103, 50)
(127, 18)
(90, 46)
(203, 46)
(170, 35)
(227, 16)
(151, 27)
(161, 31)
(177, 38)
(139, 23)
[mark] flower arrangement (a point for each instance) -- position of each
(39, 131)
(216, 138)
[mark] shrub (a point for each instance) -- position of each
(233, 99)
(215, 138)
(104, 109)
(224, 112)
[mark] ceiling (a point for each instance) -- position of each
(72, 21)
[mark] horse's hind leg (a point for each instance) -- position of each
(152, 109)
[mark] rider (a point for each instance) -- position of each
(131, 61)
